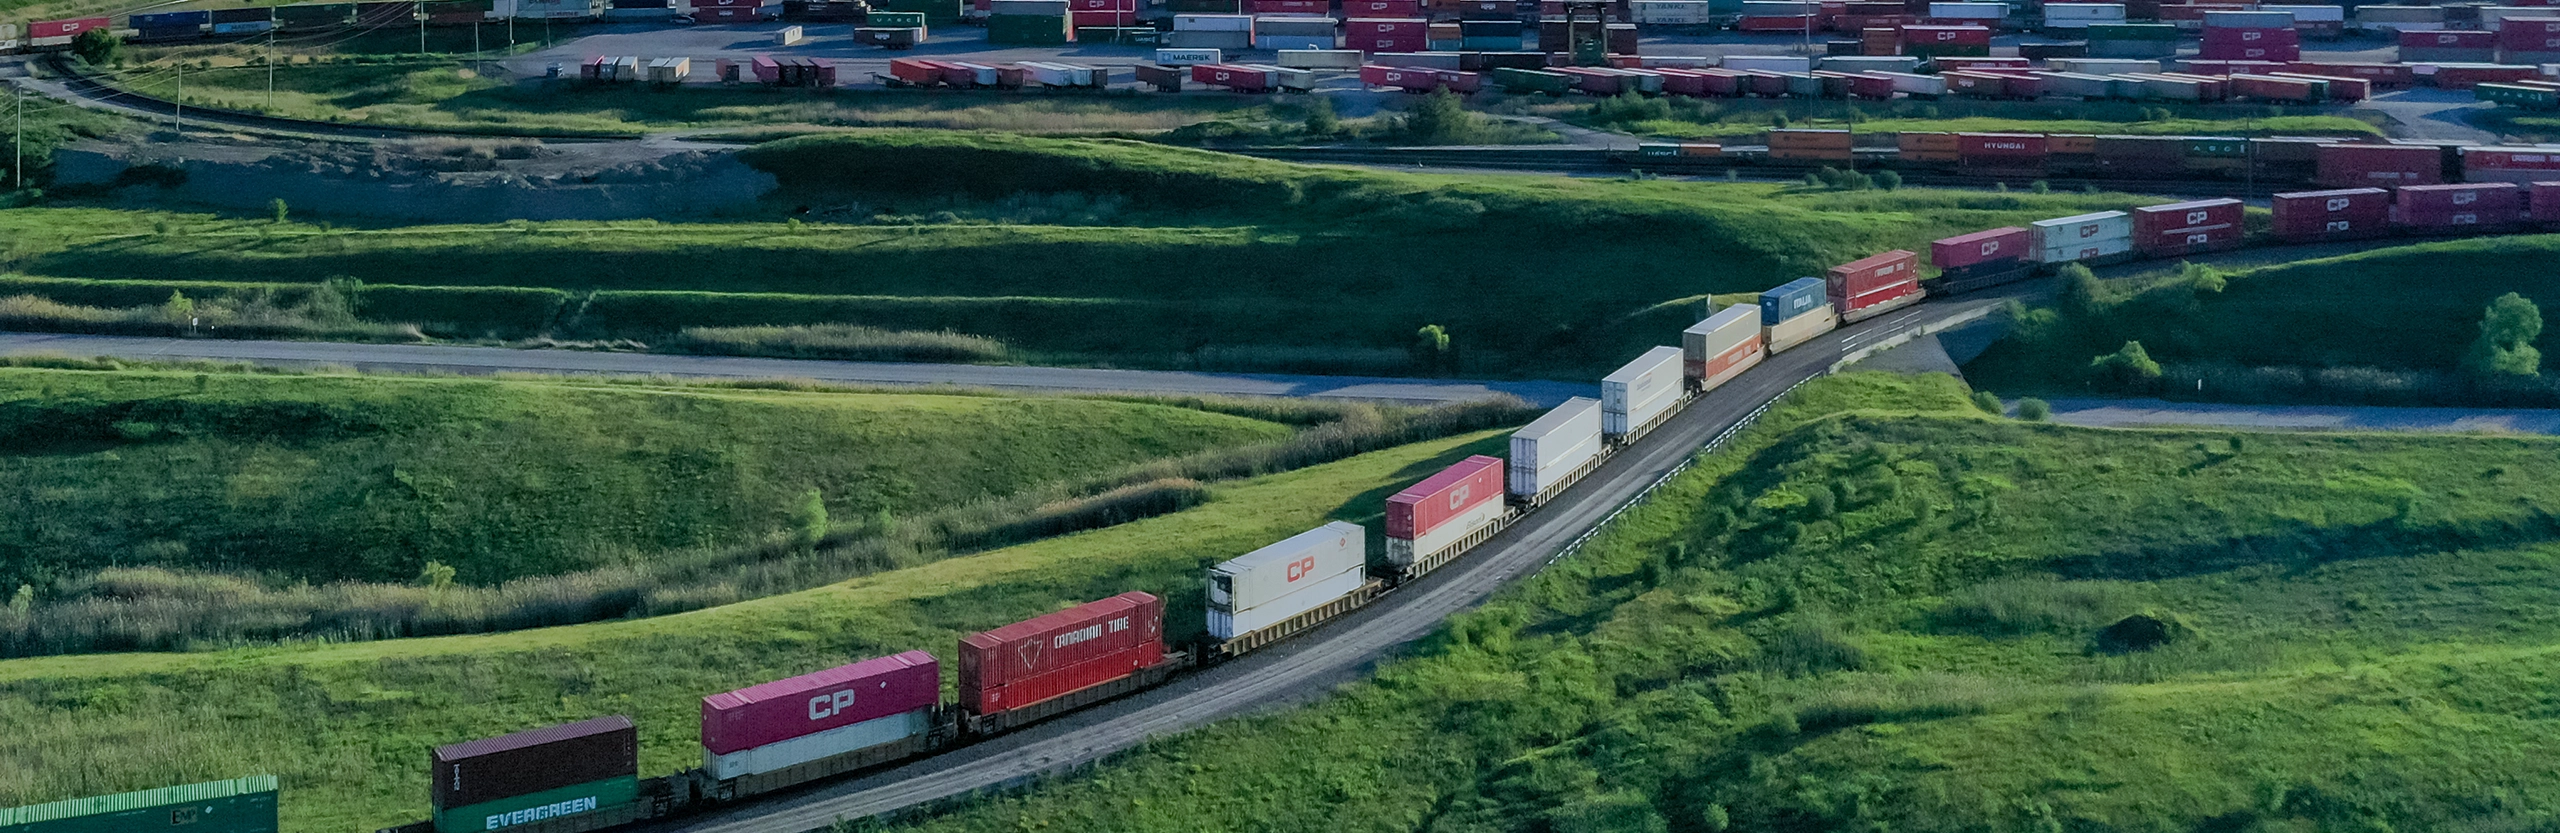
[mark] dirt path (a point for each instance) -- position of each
(2130, 413)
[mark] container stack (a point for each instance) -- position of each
(170, 25)
(2346, 214)
(1554, 451)
(1498, 34)
(1779, 16)
(811, 718)
(1640, 393)
(2434, 47)
(1102, 14)
(2251, 36)
(2519, 165)
(1984, 258)
(1950, 41)
(588, 769)
(1294, 33)
(2081, 238)
(891, 30)
(2132, 40)
(1810, 146)
(1874, 285)
(1721, 347)
(2530, 40)
(2400, 18)
(1796, 312)
(2466, 207)
(2184, 228)
(2315, 21)
(2076, 18)
(1443, 511)
(1233, 32)
(2001, 154)
(936, 12)
(1273, 584)
(1389, 34)
(1674, 13)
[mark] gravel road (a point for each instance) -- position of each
(2129, 413)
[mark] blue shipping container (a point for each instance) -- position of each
(1791, 299)
(172, 20)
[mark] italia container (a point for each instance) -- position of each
(1795, 312)
(1444, 509)
(2186, 227)
(1037, 659)
(1640, 392)
(1274, 584)
(812, 717)
(588, 771)
(239, 805)
(1874, 285)
(1551, 452)
(2081, 237)
(1721, 347)
(2382, 166)
(2304, 216)
(2453, 207)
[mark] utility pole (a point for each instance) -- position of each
(178, 116)
(422, 36)
(271, 70)
(19, 165)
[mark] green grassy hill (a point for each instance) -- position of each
(1885, 611)
(1068, 251)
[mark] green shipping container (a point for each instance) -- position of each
(240, 805)
(2132, 31)
(1655, 150)
(1947, 50)
(607, 799)
(1532, 81)
(2217, 147)
(1203, 6)
(1482, 43)
(895, 20)
(1036, 29)
(936, 12)
(2531, 98)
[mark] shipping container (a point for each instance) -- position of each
(2306, 216)
(1874, 285)
(2362, 165)
(74, 26)
(2187, 227)
(1640, 392)
(239, 805)
(1386, 34)
(2081, 237)
(1271, 585)
(1037, 659)
(1993, 246)
(2463, 76)
(1554, 451)
(790, 722)
(1444, 514)
(2519, 165)
(1721, 347)
(2458, 206)
(585, 769)
(2543, 203)
(1796, 312)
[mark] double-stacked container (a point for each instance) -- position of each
(2543, 204)
(575, 776)
(821, 724)
(1640, 393)
(2443, 47)
(1554, 451)
(2251, 36)
(1232, 32)
(1987, 258)
(2463, 207)
(2377, 165)
(2343, 214)
(167, 26)
(2401, 19)
(2132, 40)
(2078, 17)
(1272, 585)
(1717, 349)
(1034, 661)
(2519, 165)
(1029, 22)
(2530, 40)
(1295, 33)
(1810, 146)
(1796, 312)
(1935, 41)
(2082, 238)
(2180, 228)
(1371, 34)
(1874, 285)
(1444, 514)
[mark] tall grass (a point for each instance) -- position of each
(838, 341)
(256, 318)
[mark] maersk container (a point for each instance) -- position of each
(785, 723)
(555, 772)
(1044, 657)
(1640, 391)
(1188, 57)
(1273, 584)
(239, 805)
(1444, 509)
(1554, 448)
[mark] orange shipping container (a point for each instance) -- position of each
(2075, 143)
(1926, 147)
(1809, 154)
(1810, 140)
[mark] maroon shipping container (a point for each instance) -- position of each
(1965, 251)
(1386, 34)
(2467, 204)
(813, 703)
(2380, 75)
(1462, 83)
(1872, 280)
(2000, 144)
(2529, 34)
(2357, 165)
(1300, 7)
(1775, 23)
(1077, 648)
(2448, 40)
(1102, 5)
(528, 762)
(1946, 35)
(2546, 202)
(2252, 37)
(1423, 507)
(1403, 78)
(2183, 227)
(1241, 79)
(2463, 77)
(64, 28)
(1684, 82)
(1382, 8)
(2332, 215)
(2272, 88)
(2513, 159)
(1594, 81)
(1164, 78)
(2248, 52)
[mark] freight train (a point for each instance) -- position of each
(584, 776)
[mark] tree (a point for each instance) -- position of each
(1439, 119)
(2505, 348)
(1431, 348)
(178, 308)
(97, 47)
(2128, 367)
(2034, 410)
(280, 209)
(435, 576)
(1321, 120)
(809, 520)
(24, 600)
(2079, 291)
(1888, 180)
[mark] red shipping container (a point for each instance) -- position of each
(2252, 37)
(1238, 78)
(1595, 81)
(1774, 23)
(2329, 215)
(2000, 145)
(2529, 34)
(1946, 35)
(1725, 82)
(2360, 165)
(1300, 7)
(1382, 8)
(2381, 75)
(1407, 78)
(812, 703)
(2463, 77)
(1461, 83)
(1875, 87)
(1768, 84)
(1684, 82)
(64, 28)
(910, 70)
(2181, 227)
(2271, 88)
(1386, 34)
(1963, 251)
(1102, 5)
(2546, 202)
(1080, 18)
(1061, 652)
(2466, 204)
(1423, 507)
(2448, 40)
(1872, 280)
(2506, 159)
(1982, 64)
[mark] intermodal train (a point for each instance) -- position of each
(584, 776)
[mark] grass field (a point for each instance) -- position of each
(2381, 326)
(348, 726)
(1679, 118)
(1910, 616)
(1104, 258)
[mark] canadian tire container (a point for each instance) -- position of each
(1300, 573)
(2186, 227)
(2489, 204)
(2081, 237)
(785, 723)
(572, 769)
(1721, 347)
(1046, 656)
(2385, 166)
(1640, 391)
(1872, 282)
(239, 805)
(2519, 165)
(1999, 246)
(2332, 215)
(1444, 508)
(1556, 445)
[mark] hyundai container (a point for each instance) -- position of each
(1443, 513)
(1721, 347)
(1640, 392)
(2459, 206)
(1271, 585)
(792, 722)
(1049, 656)
(587, 770)
(1555, 450)
(2186, 227)
(1795, 312)
(238, 805)
(1874, 285)
(2306, 216)
(2520, 165)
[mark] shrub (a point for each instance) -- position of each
(1989, 403)
(2128, 368)
(839, 341)
(2505, 348)
(2022, 606)
(2034, 410)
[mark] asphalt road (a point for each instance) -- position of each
(1307, 667)
(2130, 413)
(415, 358)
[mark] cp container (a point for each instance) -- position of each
(2360, 165)
(75, 26)
(1553, 449)
(2186, 227)
(1303, 572)
(1043, 657)
(785, 723)
(574, 769)
(1874, 284)
(2081, 229)
(1444, 509)
(1640, 391)
(1721, 347)
(2332, 215)
(2451, 206)
(239, 805)
(2000, 247)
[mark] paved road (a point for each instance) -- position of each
(2122, 413)
(418, 357)
(1305, 668)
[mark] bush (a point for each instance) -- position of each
(1989, 403)
(2129, 368)
(2023, 606)
(839, 341)
(2034, 410)
(2505, 348)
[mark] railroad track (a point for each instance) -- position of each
(80, 83)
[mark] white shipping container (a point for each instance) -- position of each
(2311, 14)
(2104, 66)
(1768, 63)
(1802, 328)
(1187, 57)
(1320, 58)
(1554, 446)
(1300, 573)
(2073, 83)
(1970, 11)
(1294, 25)
(806, 748)
(1212, 23)
(2071, 252)
(1064, 75)
(1722, 346)
(787, 36)
(1294, 43)
(1871, 63)
(1418, 60)
(1402, 553)
(670, 70)
(1672, 12)
(2080, 230)
(1915, 84)
(1639, 391)
(1288, 78)
(1221, 39)
(2082, 15)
